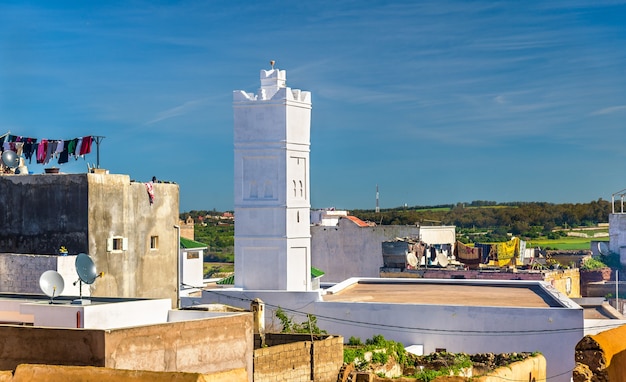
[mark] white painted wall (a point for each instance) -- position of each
(471, 329)
(272, 190)
(99, 315)
(66, 266)
(438, 234)
(191, 266)
(328, 218)
(617, 235)
(347, 250)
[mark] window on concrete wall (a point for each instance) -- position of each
(154, 242)
(192, 255)
(117, 244)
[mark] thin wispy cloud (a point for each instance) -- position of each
(437, 78)
(177, 111)
(610, 110)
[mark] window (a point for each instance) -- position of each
(117, 244)
(192, 255)
(154, 242)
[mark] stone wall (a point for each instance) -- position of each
(291, 357)
(20, 273)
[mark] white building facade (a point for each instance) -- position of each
(272, 194)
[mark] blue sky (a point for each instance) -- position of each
(435, 101)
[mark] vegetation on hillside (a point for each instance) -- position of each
(516, 217)
(377, 354)
(544, 224)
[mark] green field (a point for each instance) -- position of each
(565, 243)
(218, 269)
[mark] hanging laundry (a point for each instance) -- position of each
(150, 189)
(64, 154)
(42, 148)
(79, 146)
(85, 148)
(466, 254)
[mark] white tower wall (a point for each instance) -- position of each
(272, 203)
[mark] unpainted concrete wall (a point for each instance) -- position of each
(202, 346)
(52, 373)
(205, 346)
(348, 250)
(23, 344)
(120, 208)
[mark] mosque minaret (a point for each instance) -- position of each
(272, 193)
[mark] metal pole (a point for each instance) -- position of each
(617, 290)
(178, 259)
(98, 139)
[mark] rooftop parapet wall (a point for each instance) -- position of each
(209, 345)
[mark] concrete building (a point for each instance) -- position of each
(131, 334)
(129, 234)
(272, 204)
(345, 246)
(617, 235)
(191, 265)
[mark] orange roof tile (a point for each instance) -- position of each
(356, 221)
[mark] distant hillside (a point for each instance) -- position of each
(529, 219)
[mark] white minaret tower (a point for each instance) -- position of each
(272, 201)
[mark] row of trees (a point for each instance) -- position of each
(514, 217)
(526, 219)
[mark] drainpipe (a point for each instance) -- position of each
(177, 266)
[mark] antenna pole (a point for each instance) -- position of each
(98, 139)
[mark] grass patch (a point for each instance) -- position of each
(212, 269)
(564, 243)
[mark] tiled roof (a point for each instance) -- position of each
(356, 221)
(230, 280)
(187, 243)
(316, 272)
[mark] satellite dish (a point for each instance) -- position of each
(603, 248)
(411, 259)
(442, 259)
(10, 159)
(87, 274)
(85, 268)
(51, 284)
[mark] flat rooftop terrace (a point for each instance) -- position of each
(434, 293)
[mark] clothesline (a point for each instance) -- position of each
(47, 149)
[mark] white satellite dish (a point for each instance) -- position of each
(51, 284)
(86, 270)
(10, 159)
(442, 259)
(411, 259)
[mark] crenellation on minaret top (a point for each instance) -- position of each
(271, 81)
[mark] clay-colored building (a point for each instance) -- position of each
(130, 235)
